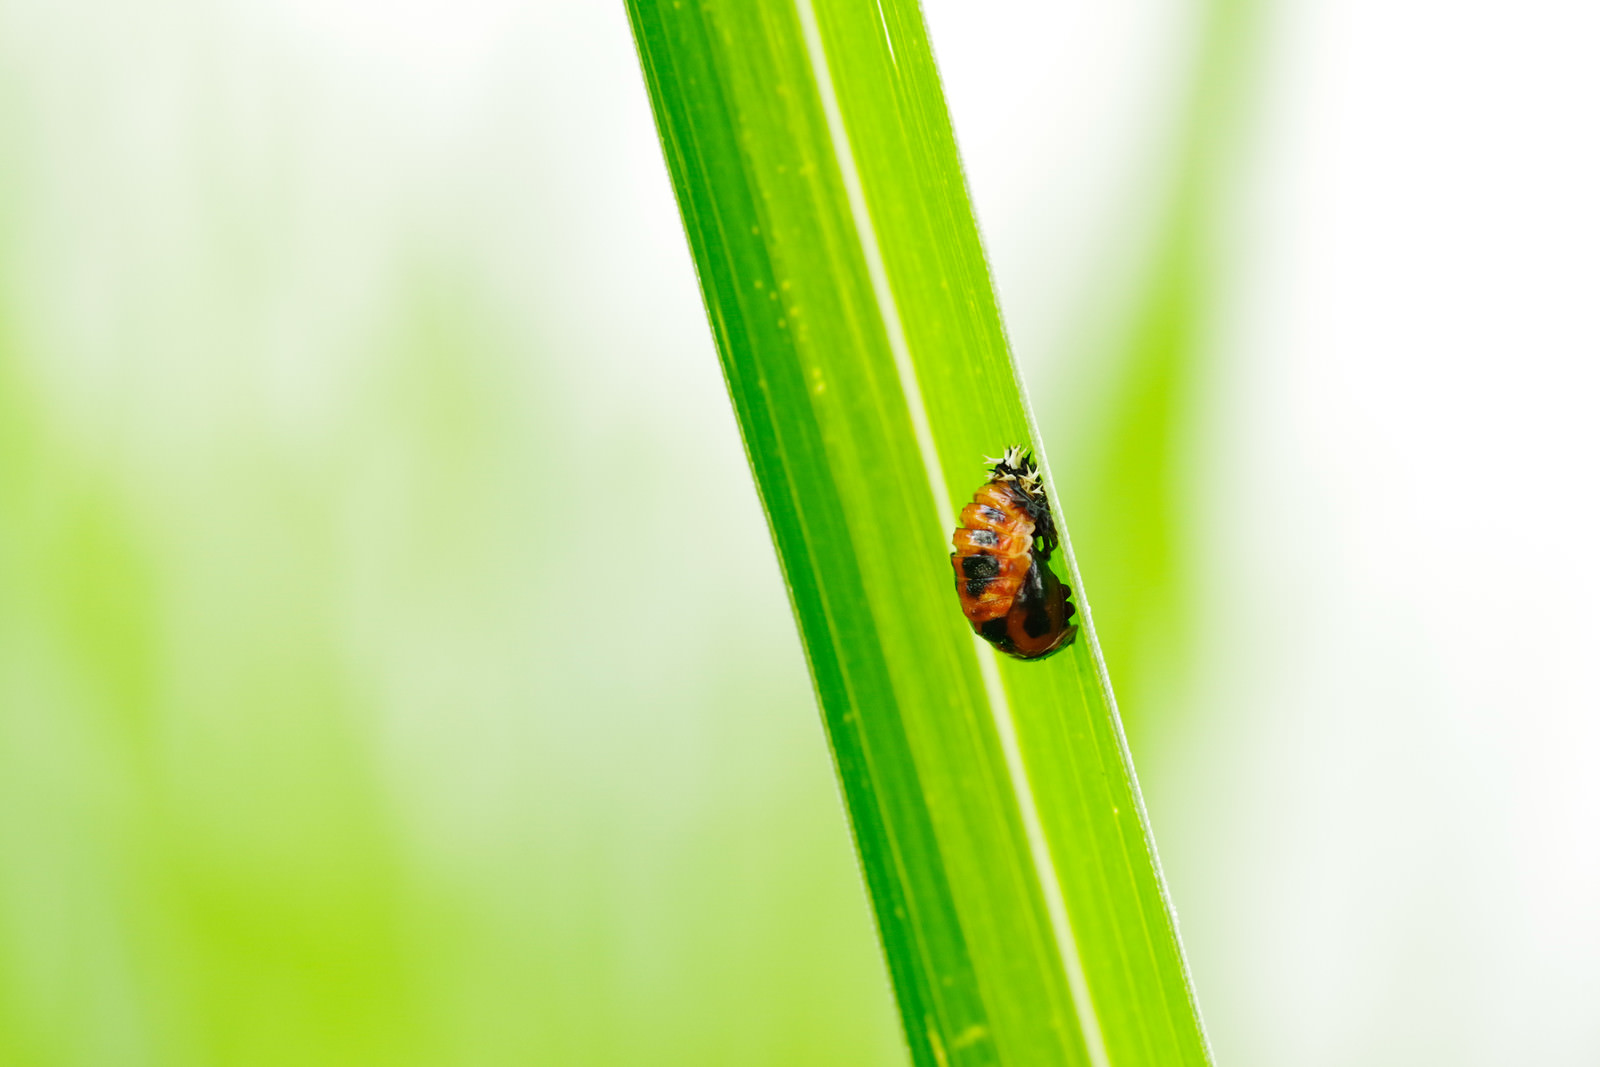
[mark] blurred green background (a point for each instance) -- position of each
(394, 667)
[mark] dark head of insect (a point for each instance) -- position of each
(1003, 579)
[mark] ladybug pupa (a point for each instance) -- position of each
(1003, 579)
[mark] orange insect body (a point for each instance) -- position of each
(1007, 590)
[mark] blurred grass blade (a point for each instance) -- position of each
(1146, 380)
(999, 826)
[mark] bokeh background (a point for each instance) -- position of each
(394, 668)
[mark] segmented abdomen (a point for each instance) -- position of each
(994, 549)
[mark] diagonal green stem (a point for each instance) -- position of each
(994, 807)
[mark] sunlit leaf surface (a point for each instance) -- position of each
(993, 802)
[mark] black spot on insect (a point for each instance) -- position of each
(991, 514)
(1034, 604)
(976, 586)
(1037, 620)
(986, 538)
(994, 632)
(980, 566)
(1032, 591)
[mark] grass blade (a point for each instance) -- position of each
(994, 806)
(1146, 379)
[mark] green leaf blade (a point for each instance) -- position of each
(993, 804)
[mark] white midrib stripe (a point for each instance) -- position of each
(999, 706)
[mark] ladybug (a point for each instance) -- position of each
(1003, 547)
